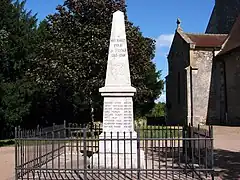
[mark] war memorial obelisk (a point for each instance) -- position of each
(118, 119)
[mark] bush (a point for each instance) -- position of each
(140, 122)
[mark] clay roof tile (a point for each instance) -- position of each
(207, 40)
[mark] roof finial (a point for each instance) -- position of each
(178, 23)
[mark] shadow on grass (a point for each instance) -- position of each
(227, 164)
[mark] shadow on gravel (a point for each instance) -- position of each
(227, 164)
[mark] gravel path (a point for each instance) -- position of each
(7, 163)
(227, 152)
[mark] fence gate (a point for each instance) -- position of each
(66, 152)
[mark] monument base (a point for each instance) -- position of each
(118, 151)
(117, 161)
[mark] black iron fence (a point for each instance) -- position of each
(201, 149)
(85, 152)
(6, 133)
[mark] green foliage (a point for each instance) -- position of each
(52, 72)
(158, 110)
(17, 49)
(140, 122)
(17, 31)
(74, 58)
(17, 101)
(160, 132)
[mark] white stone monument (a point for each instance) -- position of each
(118, 107)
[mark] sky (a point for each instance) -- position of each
(156, 19)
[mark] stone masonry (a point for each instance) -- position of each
(201, 82)
(232, 68)
(178, 59)
(204, 70)
(191, 82)
(223, 16)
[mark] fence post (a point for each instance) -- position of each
(190, 128)
(16, 155)
(21, 149)
(85, 152)
(212, 158)
(184, 139)
(53, 127)
(64, 123)
(52, 158)
(38, 129)
(65, 146)
(138, 154)
(64, 127)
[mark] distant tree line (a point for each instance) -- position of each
(51, 71)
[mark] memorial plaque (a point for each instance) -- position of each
(118, 114)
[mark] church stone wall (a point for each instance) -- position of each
(223, 17)
(201, 60)
(178, 60)
(211, 28)
(232, 65)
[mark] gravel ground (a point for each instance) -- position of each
(227, 152)
(7, 163)
(227, 155)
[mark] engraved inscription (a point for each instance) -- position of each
(119, 48)
(117, 114)
(118, 51)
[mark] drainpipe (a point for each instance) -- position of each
(191, 95)
(191, 92)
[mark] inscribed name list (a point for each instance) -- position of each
(118, 113)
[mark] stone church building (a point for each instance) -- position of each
(203, 83)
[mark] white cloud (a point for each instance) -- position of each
(164, 40)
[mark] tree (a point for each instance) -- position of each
(158, 110)
(17, 50)
(17, 30)
(71, 65)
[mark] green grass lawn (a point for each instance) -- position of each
(160, 132)
(7, 142)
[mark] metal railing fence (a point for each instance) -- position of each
(86, 152)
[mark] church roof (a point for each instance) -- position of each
(207, 40)
(233, 40)
(203, 40)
